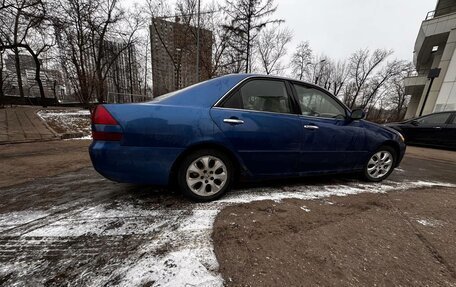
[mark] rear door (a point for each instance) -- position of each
(331, 142)
(259, 120)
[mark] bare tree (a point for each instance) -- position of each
(338, 77)
(185, 41)
(91, 35)
(24, 27)
(301, 60)
(363, 71)
(397, 97)
(6, 78)
(374, 86)
(248, 18)
(272, 44)
(214, 21)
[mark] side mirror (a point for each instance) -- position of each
(415, 123)
(357, 114)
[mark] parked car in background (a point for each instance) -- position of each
(206, 136)
(437, 130)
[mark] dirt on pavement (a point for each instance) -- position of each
(27, 161)
(393, 239)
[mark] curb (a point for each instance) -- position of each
(66, 136)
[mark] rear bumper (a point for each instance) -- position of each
(128, 164)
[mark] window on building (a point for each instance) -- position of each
(316, 103)
(261, 95)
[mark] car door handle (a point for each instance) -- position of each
(233, 121)
(437, 127)
(311, 127)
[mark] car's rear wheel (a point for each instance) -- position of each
(380, 165)
(205, 175)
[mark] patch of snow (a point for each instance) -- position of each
(87, 137)
(100, 220)
(71, 121)
(430, 222)
(320, 191)
(13, 219)
(305, 209)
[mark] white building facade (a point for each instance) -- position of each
(435, 49)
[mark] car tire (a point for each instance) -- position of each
(205, 175)
(380, 164)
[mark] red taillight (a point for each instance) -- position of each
(101, 116)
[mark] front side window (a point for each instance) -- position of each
(437, 119)
(318, 104)
(261, 95)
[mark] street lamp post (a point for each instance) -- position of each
(433, 73)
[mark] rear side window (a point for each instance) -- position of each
(434, 119)
(261, 95)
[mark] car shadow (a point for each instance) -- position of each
(171, 197)
(298, 181)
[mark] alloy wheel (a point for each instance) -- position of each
(380, 164)
(206, 175)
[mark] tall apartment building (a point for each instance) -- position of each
(123, 80)
(434, 55)
(174, 54)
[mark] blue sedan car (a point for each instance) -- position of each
(239, 126)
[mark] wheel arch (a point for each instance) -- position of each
(395, 146)
(236, 161)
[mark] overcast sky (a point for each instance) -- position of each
(338, 27)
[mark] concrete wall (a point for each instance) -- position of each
(412, 106)
(446, 100)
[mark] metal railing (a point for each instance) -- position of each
(418, 73)
(440, 12)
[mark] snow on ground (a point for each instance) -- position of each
(430, 222)
(69, 121)
(179, 250)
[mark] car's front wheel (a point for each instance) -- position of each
(205, 175)
(380, 165)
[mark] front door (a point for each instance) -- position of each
(258, 121)
(430, 130)
(331, 143)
